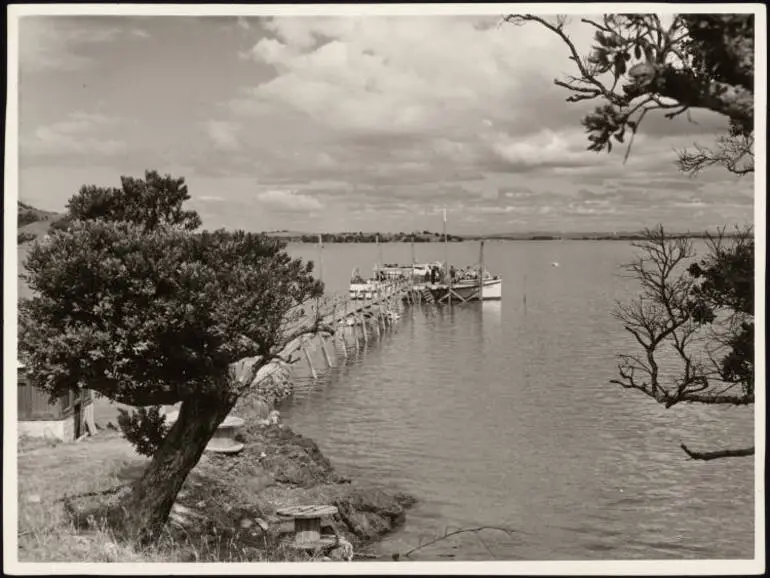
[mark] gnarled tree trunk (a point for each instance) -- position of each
(152, 496)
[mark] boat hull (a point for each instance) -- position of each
(491, 291)
(371, 290)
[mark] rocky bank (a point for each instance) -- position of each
(227, 509)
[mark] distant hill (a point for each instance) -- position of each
(33, 223)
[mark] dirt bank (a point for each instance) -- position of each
(226, 511)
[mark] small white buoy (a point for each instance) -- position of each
(554, 264)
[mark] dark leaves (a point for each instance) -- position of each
(148, 317)
(152, 202)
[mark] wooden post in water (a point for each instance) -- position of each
(375, 308)
(446, 258)
(344, 338)
(355, 331)
(328, 359)
(310, 363)
(525, 293)
(363, 328)
(481, 271)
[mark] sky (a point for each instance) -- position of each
(329, 124)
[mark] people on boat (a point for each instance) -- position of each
(356, 277)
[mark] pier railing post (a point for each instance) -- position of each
(328, 359)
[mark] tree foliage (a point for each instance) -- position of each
(150, 202)
(151, 317)
(638, 64)
(131, 302)
(724, 300)
(144, 428)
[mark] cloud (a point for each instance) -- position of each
(57, 42)
(365, 123)
(288, 201)
(223, 134)
(80, 133)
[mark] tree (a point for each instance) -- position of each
(701, 313)
(150, 202)
(639, 65)
(155, 315)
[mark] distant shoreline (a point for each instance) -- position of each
(369, 239)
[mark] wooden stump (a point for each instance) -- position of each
(307, 524)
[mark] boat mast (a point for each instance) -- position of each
(446, 245)
(320, 257)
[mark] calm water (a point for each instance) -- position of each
(501, 414)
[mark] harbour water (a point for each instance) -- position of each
(502, 414)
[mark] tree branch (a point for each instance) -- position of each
(455, 533)
(717, 454)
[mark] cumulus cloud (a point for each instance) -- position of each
(56, 42)
(288, 201)
(223, 134)
(378, 120)
(393, 74)
(80, 133)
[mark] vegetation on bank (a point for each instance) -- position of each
(70, 497)
(427, 237)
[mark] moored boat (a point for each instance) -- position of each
(492, 288)
(379, 285)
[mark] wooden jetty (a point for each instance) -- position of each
(350, 324)
(340, 326)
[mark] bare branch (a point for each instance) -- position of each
(735, 153)
(455, 533)
(717, 454)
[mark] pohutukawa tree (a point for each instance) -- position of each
(640, 65)
(150, 202)
(149, 313)
(700, 312)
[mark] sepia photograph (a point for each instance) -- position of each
(371, 288)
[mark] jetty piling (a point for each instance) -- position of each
(328, 359)
(310, 362)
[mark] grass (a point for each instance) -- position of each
(47, 532)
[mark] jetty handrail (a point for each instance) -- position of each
(330, 309)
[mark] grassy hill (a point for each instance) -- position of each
(33, 224)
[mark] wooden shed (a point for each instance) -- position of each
(67, 418)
